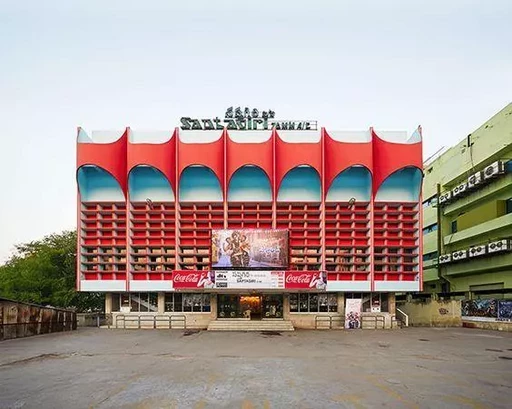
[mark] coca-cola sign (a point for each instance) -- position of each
(306, 280)
(186, 278)
(193, 279)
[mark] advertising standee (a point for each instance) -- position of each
(353, 313)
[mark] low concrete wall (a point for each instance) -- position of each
(89, 319)
(491, 325)
(433, 313)
(18, 319)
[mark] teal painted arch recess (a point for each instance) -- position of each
(403, 185)
(300, 184)
(146, 182)
(352, 183)
(199, 184)
(249, 184)
(95, 184)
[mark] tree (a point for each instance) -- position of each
(44, 272)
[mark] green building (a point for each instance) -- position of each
(467, 214)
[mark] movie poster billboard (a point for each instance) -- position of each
(250, 248)
(353, 313)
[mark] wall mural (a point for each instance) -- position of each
(498, 309)
(479, 308)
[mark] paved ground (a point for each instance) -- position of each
(410, 368)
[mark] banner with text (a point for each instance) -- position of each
(249, 279)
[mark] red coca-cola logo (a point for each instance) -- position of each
(186, 278)
(299, 278)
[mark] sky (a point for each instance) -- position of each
(348, 64)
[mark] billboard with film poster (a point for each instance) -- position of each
(250, 248)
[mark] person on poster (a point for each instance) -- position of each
(353, 313)
(353, 320)
(205, 281)
(232, 247)
(244, 249)
(318, 282)
(238, 247)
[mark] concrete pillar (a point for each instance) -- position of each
(213, 306)
(341, 304)
(392, 303)
(286, 306)
(108, 303)
(161, 303)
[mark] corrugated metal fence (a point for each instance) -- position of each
(19, 319)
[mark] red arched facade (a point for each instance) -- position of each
(161, 156)
(185, 227)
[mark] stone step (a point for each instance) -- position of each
(249, 326)
(250, 323)
(245, 325)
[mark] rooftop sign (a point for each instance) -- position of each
(246, 120)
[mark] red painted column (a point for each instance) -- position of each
(372, 241)
(323, 192)
(177, 179)
(225, 169)
(274, 185)
(78, 244)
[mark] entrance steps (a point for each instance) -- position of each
(250, 325)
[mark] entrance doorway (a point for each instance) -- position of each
(250, 306)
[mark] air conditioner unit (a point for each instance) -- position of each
(459, 189)
(445, 258)
(494, 170)
(459, 255)
(474, 180)
(445, 197)
(497, 246)
(477, 251)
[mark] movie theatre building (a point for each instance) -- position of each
(231, 224)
